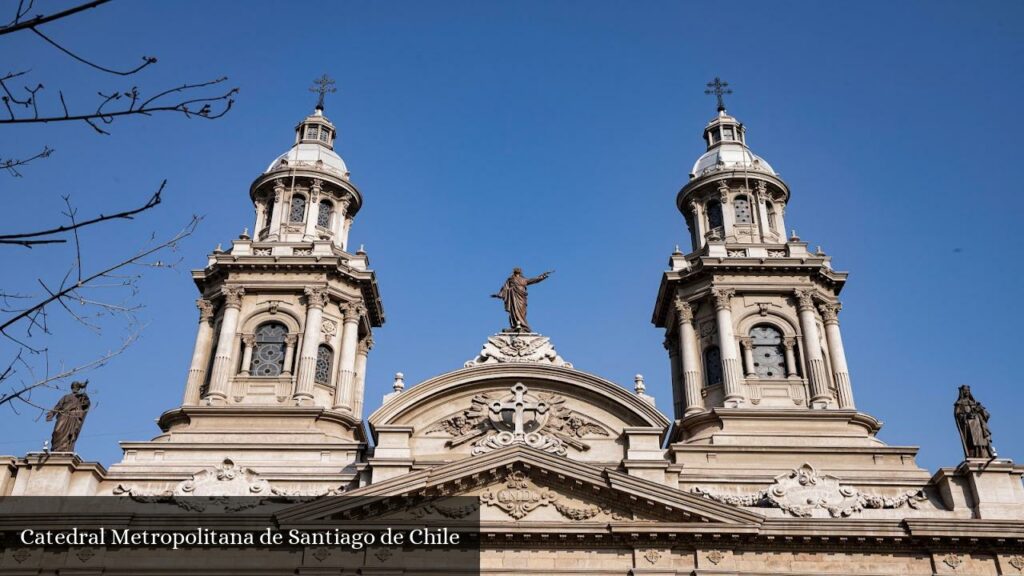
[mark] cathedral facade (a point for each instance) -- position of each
(763, 464)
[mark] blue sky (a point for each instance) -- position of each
(486, 135)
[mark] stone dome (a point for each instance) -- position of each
(730, 156)
(310, 155)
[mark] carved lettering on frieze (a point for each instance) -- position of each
(539, 420)
(803, 491)
(519, 497)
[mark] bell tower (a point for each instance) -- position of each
(286, 319)
(759, 376)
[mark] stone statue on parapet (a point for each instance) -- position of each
(70, 414)
(972, 422)
(514, 295)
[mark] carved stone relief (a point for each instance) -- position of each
(519, 496)
(538, 420)
(803, 491)
(518, 348)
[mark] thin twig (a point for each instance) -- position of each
(31, 237)
(40, 19)
(146, 60)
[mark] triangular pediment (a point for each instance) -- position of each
(518, 485)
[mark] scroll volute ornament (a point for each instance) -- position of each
(684, 311)
(830, 312)
(805, 299)
(233, 295)
(205, 309)
(723, 297)
(316, 297)
(353, 311)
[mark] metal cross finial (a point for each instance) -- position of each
(322, 85)
(719, 89)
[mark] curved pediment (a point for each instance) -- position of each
(487, 407)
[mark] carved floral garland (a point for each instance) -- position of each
(802, 491)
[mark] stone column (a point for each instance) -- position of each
(761, 192)
(313, 210)
(731, 376)
(261, 219)
(353, 311)
(201, 353)
(728, 214)
(671, 344)
(316, 297)
(276, 210)
(691, 358)
(344, 233)
(248, 341)
(698, 224)
(830, 314)
(340, 215)
(289, 353)
(788, 344)
(820, 396)
(747, 344)
(361, 355)
(780, 222)
(223, 362)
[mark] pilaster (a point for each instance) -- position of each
(731, 376)
(223, 362)
(820, 396)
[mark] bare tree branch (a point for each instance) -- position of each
(65, 290)
(201, 107)
(40, 19)
(146, 60)
(12, 164)
(29, 239)
(22, 392)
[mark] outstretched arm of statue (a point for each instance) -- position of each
(541, 278)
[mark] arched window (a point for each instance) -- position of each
(715, 219)
(712, 366)
(297, 213)
(323, 216)
(771, 216)
(268, 351)
(769, 355)
(324, 361)
(741, 205)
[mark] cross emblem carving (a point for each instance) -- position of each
(519, 406)
(719, 88)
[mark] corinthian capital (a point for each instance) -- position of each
(684, 311)
(365, 345)
(723, 297)
(761, 190)
(830, 312)
(291, 339)
(249, 339)
(805, 299)
(233, 296)
(316, 296)
(205, 309)
(353, 311)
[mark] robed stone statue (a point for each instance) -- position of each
(513, 294)
(972, 421)
(70, 413)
